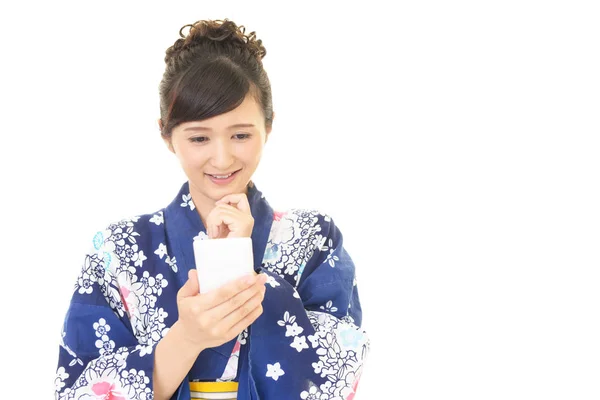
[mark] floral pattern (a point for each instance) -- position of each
(124, 302)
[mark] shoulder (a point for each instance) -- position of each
(132, 226)
(305, 221)
(303, 216)
(124, 236)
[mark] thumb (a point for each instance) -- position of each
(191, 287)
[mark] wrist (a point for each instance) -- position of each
(179, 334)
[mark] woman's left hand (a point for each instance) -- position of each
(231, 217)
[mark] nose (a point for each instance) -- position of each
(222, 157)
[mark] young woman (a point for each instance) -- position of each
(138, 327)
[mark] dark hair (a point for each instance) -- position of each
(210, 71)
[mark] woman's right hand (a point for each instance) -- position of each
(213, 318)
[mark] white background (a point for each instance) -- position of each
(454, 143)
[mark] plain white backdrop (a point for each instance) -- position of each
(454, 143)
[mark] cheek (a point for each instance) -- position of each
(190, 157)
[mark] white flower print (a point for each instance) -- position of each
(299, 343)
(159, 284)
(331, 259)
(243, 336)
(133, 380)
(291, 269)
(161, 251)
(157, 218)
(313, 394)
(314, 340)
(296, 294)
(287, 319)
(271, 281)
(188, 202)
(172, 263)
(329, 307)
(321, 243)
(105, 345)
(144, 350)
(101, 327)
(201, 236)
(139, 258)
(85, 284)
(293, 330)
(61, 375)
(274, 371)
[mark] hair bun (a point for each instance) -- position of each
(224, 32)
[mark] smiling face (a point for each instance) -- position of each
(220, 154)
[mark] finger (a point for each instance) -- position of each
(191, 286)
(238, 200)
(246, 321)
(229, 290)
(240, 304)
(223, 217)
(239, 313)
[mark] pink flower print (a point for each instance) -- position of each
(277, 215)
(124, 293)
(106, 391)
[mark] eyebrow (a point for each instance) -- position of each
(203, 128)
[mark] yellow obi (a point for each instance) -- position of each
(214, 390)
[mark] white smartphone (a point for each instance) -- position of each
(219, 261)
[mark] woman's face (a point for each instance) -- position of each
(219, 155)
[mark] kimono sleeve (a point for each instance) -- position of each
(99, 355)
(321, 347)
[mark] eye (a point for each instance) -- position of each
(241, 136)
(198, 139)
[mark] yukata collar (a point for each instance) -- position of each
(183, 224)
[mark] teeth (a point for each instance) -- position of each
(222, 176)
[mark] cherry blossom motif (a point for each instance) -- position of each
(139, 258)
(101, 327)
(107, 391)
(271, 281)
(299, 343)
(61, 375)
(161, 251)
(158, 218)
(313, 394)
(293, 329)
(274, 371)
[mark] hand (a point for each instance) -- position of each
(231, 217)
(211, 319)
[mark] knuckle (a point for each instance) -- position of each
(215, 332)
(235, 302)
(244, 310)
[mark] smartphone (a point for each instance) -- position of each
(219, 261)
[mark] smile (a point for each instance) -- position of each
(222, 179)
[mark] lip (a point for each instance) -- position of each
(225, 181)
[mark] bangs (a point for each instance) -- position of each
(206, 90)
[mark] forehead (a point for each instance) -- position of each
(248, 112)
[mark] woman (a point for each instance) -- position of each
(137, 326)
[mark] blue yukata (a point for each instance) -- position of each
(307, 344)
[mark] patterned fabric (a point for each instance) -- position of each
(307, 344)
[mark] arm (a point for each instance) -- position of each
(99, 354)
(321, 347)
